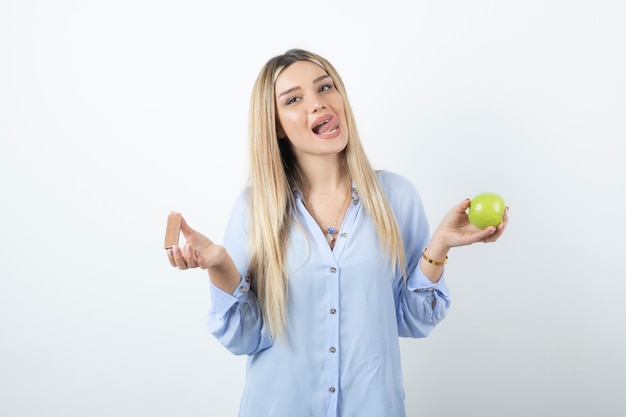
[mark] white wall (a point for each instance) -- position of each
(113, 113)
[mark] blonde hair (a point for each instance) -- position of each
(273, 174)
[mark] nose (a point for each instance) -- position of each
(318, 107)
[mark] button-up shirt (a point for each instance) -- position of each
(346, 309)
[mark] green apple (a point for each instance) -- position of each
(486, 210)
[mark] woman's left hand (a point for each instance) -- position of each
(456, 230)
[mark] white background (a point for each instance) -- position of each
(113, 113)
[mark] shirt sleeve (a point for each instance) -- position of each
(420, 303)
(236, 319)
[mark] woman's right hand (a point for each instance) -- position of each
(197, 252)
(200, 252)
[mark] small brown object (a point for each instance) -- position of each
(172, 232)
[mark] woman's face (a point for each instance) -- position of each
(310, 111)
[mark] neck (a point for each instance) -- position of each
(324, 177)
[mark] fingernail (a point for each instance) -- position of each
(188, 247)
(175, 249)
(169, 252)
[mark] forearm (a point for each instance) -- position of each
(433, 262)
(222, 270)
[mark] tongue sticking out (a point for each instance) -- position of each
(325, 127)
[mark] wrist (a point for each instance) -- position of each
(434, 259)
(437, 249)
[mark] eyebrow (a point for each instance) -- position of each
(317, 80)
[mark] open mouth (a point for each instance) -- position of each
(326, 126)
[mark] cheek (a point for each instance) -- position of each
(288, 120)
(337, 106)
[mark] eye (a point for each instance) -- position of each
(292, 100)
(325, 87)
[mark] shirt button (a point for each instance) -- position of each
(247, 278)
(344, 234)
(333, 350)
(331, 389)
(333, 311)
(243, 289)
(333, 269)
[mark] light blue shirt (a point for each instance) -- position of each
(345, 312)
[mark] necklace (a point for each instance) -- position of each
(329, 232)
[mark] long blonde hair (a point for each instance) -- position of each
(273, 174)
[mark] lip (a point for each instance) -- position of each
(327, 119)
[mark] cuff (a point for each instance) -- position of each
(420, 283)
(223, 301)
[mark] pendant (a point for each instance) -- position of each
(330, 235)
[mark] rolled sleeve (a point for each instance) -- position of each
(423, 304)
(236, 320)
(222, 301)
(419, 282)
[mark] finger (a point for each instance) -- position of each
(505, 220)
(185, 228)
(497, 232)
(505, 217)
(463, 206)
(170, 256)
(179, 260)
(486, 235)
(189, 256)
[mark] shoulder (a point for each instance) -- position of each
(406, 203)
(242, 199)
(401, 193)
(395, 184)
(240, 209)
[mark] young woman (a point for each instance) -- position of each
(325, 262)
